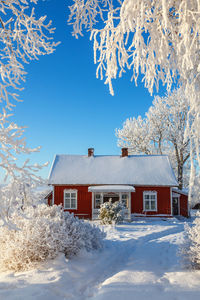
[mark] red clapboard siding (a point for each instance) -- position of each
(84, 203)
(163, 200)
(184, 205)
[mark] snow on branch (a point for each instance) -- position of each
(20, 178)
(23, 37)
(158, 39)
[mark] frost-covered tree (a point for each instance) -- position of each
(135, 135)
(159, 39)
(20, 178)
(162, 131)
(23, 37)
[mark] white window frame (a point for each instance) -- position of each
(149, 193)
(101, 199)
(70, 192)
(128, 199)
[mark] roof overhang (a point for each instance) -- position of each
(177, 191)
(47, 195)
(111, 188)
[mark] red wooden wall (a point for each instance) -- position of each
(84, 203)
(163, 200)
(184, 205)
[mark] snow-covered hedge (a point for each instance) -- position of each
(191, 248)
(42, 234)
(112, 212)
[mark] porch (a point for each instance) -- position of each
(102, 194)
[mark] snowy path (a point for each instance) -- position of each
(139, 261)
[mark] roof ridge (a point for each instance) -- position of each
(115, 155)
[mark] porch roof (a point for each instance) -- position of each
(111, 188)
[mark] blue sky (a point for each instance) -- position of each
(65, 108)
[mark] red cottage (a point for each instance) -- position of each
(144, 183)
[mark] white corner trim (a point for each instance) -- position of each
(171, 200)
(53, 195)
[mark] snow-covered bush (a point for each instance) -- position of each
(191, 248)
(43, 232)
(112, 212)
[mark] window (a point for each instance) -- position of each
(150, 201)
(97, 201)
(70, 199)
(124, 199)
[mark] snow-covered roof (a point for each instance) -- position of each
(134, 169)
(111, 188)
(183, 192)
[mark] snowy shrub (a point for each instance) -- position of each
(191, 248)
(41, 234)
(111, 212)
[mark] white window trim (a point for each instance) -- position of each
(102, 195)
(125, 193)
(149, 193)
(70, 191)
(101, 199)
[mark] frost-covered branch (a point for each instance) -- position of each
(159, 39)
(23, 37)
(20, 178)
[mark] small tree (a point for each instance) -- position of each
(111, 212)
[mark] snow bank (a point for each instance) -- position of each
(139, 261)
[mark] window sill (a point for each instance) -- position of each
(70, 208)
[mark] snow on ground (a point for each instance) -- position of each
(139, 261)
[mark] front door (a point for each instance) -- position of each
(111, 196)
(175, 203)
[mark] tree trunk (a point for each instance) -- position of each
(180, 176)
(179, 159)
